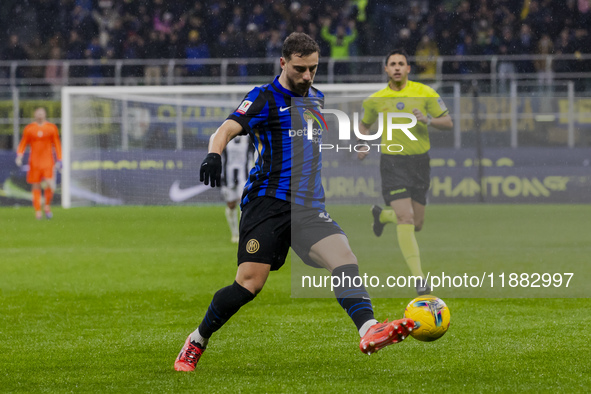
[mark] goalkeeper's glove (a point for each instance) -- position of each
(58, 165)
(19, 160)
(211, 170)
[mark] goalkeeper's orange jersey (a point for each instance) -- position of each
(41, 138)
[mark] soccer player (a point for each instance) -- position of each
(405, 172)
(236, 162)
(43, 138)
(283, 205)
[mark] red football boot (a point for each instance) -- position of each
(383, 334)
(188, 357)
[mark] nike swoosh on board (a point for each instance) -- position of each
(177, 194)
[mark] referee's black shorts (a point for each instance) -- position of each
(405, 176)
(269, 226)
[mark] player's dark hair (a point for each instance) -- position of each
(397, 51)
(299, 44)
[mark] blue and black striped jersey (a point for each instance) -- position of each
(289, 163)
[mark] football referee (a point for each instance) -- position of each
(404, 163)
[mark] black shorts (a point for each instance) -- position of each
(269, 226)
(405, 176)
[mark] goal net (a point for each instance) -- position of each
(144, 145)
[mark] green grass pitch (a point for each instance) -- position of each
(102, 299)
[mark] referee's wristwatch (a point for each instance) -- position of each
(429, 118)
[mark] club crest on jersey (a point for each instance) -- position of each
(244, 107)
(400, 105)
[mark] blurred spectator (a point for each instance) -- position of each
(54, 69)
(226, 46)
(75, 51)
(35, 50)
(94, 52)
(415, 14)
(340, 44)
(196, 49)
(414, 36)
(163, 22)
(238, 19)
(563, 46)
(525, 46)
(582, 41)
(14, 49)
(82, 22)
(544, 47)
(404, 40)
(134, 49)
(257, 17)
(47, 14)
(155, 49)
(105, 19)
(427, 67)
(340, 41)
(117, 38)
(466, 48)
(274, 45)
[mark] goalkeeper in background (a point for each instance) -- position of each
(43, 138)
(405, 172)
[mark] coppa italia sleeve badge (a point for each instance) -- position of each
(244, 107)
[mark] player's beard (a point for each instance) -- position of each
(300, 88)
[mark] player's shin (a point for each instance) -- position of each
(352, 296)
(226, 302)
(37, 199)
(48, 197)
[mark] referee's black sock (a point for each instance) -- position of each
(226, 302)
(351, 294)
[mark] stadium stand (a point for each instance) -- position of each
(88, 36)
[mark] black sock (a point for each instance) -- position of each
(226, 302)
(354, 299)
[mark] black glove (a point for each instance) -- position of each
(211, 169)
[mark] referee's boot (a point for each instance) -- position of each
(422, 287)
(377, 226)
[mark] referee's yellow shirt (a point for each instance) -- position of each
(414, 95)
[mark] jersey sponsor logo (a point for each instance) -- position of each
(400, 106)
(398, 191)
(177, 194)
(283, 109)
(325, 216)
(40, 133)
(244, 107)
(252, 246)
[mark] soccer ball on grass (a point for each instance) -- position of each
(431, 317)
